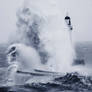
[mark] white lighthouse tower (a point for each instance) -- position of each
(68, 23)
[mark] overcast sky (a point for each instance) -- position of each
(79, 10)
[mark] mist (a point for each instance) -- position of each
(81, 17)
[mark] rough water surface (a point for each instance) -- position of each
(49, 82)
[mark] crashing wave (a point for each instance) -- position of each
(69, 82)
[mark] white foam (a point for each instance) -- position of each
(53, 33)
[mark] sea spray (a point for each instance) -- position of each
(41, 25)
(54, 34)
(26, 57)
(21, 58)
(57, 44)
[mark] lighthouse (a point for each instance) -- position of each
(69, 25)
(68, 22)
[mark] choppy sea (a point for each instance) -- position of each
(49, 81)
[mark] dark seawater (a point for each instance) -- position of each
(52, 82)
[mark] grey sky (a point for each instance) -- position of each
(79, 10)
(8, 10)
